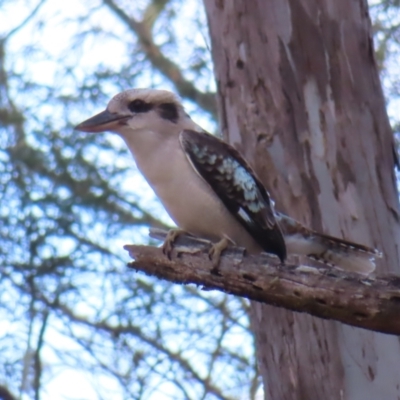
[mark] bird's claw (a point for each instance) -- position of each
(168, 244)
(214, 254)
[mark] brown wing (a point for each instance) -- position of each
(232, 179)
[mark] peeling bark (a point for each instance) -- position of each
(300, 97)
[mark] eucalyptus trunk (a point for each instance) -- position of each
(300, 97)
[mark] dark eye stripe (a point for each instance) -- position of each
(169, 111)
(139, 106)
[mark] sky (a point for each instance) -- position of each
(51, 41)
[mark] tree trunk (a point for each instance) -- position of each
(300, 97)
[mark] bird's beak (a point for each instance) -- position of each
(104, 121)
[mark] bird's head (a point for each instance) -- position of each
(137, 109)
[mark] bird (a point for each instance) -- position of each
(207, 187)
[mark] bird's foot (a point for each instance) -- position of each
(215, 252)
(168, 244)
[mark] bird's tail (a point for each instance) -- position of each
(330, 250)
(352, 257)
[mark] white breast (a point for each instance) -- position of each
(188, 199)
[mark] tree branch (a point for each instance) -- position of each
(367, 302)
(5, 394)
(143, 31)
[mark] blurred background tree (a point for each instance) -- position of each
(74, 321)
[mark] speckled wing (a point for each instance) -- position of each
(232, 179)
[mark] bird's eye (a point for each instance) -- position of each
(139, 106)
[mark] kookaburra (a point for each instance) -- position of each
(206, 186)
